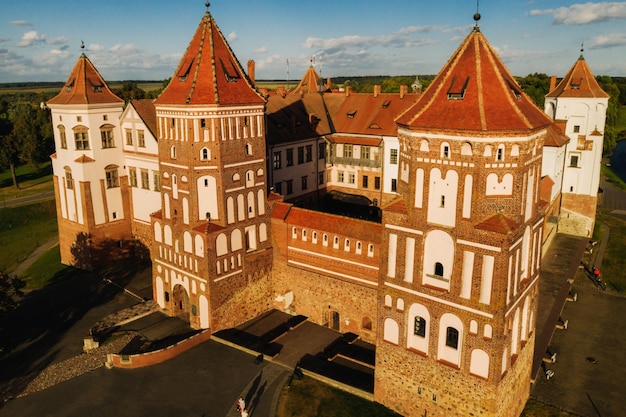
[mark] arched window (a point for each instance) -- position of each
(81, 138)
(248, 149)
(419, 326)
(62, 137)
(205, 154)
(69, 182)
(439, 269)
(445, 150)
(106, 134)
(173, 152)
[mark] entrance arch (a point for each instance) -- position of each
(180, 303)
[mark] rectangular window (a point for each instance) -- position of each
(365, 181)
(365, 152)
(300, 154)
(81, 140)
(142, 139)
(347, 151)
(443, 201)
(145, 179)
(157, 180)
(129, 137)
(419, 326)
(576, 129)
(304, 182)
(107, 138)
(452, 338)
(321, 151)
(393, 156)
(573, 161)
(394, 185)
(351, 178)
(340, 176)
(320, 178)
(377, 183)
(277, 160)
(289, 187)
(112, 178)
(289, 157)
(63, 139)
(278, 188)
(132, 176)
(309, 153)
(69, 183)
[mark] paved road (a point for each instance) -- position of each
(21, 201)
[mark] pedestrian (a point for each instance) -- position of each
(241, 405)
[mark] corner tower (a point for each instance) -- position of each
(458, 289)
(580, 104)
(211, 253)
(91, 193)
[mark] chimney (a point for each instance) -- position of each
(404, 89)
(251, 74)
(376, 90)
(552, 83)
(348, 91)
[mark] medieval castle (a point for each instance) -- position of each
(466, 183)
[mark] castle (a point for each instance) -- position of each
(467, 181)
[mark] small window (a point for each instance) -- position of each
(377, 183)
(365, 181)
(393, 156)
(443, 201)
(294, 233)
(204, 154)
(69, 183)
(142, 138)
(452, 338)
(351, 178)
(576, 129)
(129, 137)
(419, 326)
(346, 245)
(439, 269)
(62, 137)
(106, 134)
(314, 237)
(325, 240)
(347, 151)
(81, 139)
(112, 179)
(278, 188)
(248, 149)
(277, 162)
(304, 180)
(145, 179)
(500, 153)
(336, 242)
(300, 154)
(308, 153)
(365, 152)
(304, 235)
(320, 178)
(289, 187)
(173, 152)
(394, 185)
(289, 156)
(445, 151)
(321, 151)
(132, 176)
(370, 250)
(340, 176)
(573, 161)
(203, 123)
(157, 180)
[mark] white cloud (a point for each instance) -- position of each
(59, 41)
(95, 47)
(263, 63)
(581, 14)
(261, 50)
(232, 36)
(21, 23)
(126, 49)
(31, 38)
(608, 41)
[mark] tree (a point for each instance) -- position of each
(9, 147)
(10, 294)
(536, 86)
(612, 113)
(130, 91)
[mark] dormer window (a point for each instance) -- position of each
(386, 104)
(457, 91)
(230, 73)
(351, 114)
(575, 84)
(184, 70)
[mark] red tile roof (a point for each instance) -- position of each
(545, 188)
(474, 92)
(85, 86)
(498, 223)
(340, 225)
(555, 136)
(209, 73)
(147, 112)
(356, 140)
(370, 114)
(578, 82)
(309, 83)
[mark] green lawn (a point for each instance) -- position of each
(614, 261)
(23, 229)
(31, 179)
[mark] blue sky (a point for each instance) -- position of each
(140, 39)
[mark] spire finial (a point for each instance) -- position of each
(582, 47)
(207, 4)
(82, 45)
(477, 15)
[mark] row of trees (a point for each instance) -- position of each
(26, 135)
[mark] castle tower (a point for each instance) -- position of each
(90, 187)
(580, 104)
(459, 282)
(211, 253)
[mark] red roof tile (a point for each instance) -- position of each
(147, 112)
(84, 159)
(370, 114)
(555, 137)
(498, 224)
(309, 83)
(343, 226)
(474, 92)
(85, 86)
(545, 188)
(356, 140)
(280, 210)
(209, 73)
(578, 82)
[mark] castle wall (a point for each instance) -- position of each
(578, 213)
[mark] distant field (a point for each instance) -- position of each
(49, 90)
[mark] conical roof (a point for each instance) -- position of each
(209, 73)
(578, 82)
(308, 83)
(474, 92)
(85, 85)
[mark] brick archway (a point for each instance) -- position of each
(180, 303)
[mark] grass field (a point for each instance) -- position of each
(31, 180)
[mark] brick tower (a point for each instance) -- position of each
(580, 104)
(211, 253)
(458, 288)
(91, 191)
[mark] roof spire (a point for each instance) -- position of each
(207, 4)
(82, 48)
(582, 49)
(476, 15)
